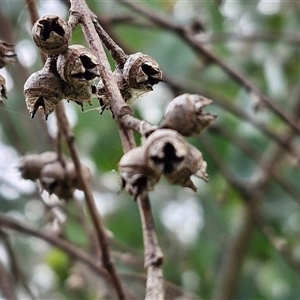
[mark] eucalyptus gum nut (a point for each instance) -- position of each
(79, 93)
(53, 180)
(137, 177)
(7, 54)
(141, 71)
(71, 175)
(30, 166)
(48, 157)
(185, 115)
(51, 34)
(3, 90)
(42, 90)
(77, 64)
(167, 151)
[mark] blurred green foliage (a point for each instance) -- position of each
(259, 38)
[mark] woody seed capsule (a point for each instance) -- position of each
(185, 115)
(43, 90)
(51, 34)
(137, 177)
(168, 152)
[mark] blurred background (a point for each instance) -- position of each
(238, 236)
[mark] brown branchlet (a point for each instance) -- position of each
(7, 56)
(137, 77)
(51, 34)
(185, 115)
(136, 176)
(167, 152)
(55, 176)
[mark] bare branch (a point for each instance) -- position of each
(68, 248)
(81, 12)
(237, 76)
(6, 284)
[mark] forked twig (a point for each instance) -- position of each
(80, 12)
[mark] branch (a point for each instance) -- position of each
(90, 201)
(65, 128)
(184, 87)
(17, 274)
(233, 258)
(6, 284)
(190, 39)
(80, 12)
(68, 248)
(153, 255)
(252, 153)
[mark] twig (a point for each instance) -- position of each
(17, 274)
(67, 247)
(153, 255)
(116, 52)
(6, 284)
(279, 244)
(89, 198)
(80, 12)
(190, 39)
(252, 153)
(90, 201)
(251, 197)
(233, 259)
(184, 87)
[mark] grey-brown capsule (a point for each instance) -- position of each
(7, 54)
(137, 77)
(168, 152)
(185, 114)
(137, 177)
(30, 166)
(78, 67)
(3, 91)
(71, 175)
(43, 90)
(141, 72)
(51, 34)
(78, 64)
(53, 180)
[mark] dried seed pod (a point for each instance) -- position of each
(51, 34)
(71, 174)
(136, 175)
(3, 91)
(137, 77)
(79, 93)
(185, 115)
(53, 180)
(126, 92)
(141, 72)
(167, 151)
(43, 89)
(77, 65)
(31, 164)
(7, 54)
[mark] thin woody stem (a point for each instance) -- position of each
(116, 52)
(89, 198)
(237, 76)
(123, 115)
